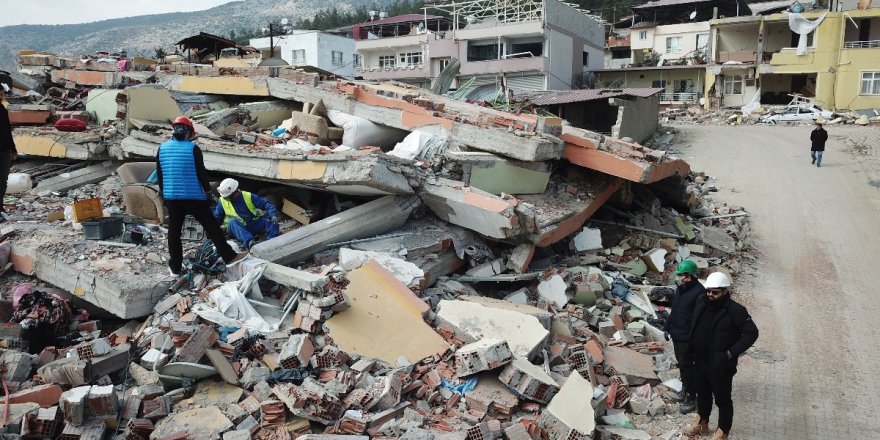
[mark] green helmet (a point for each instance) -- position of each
(686, 267)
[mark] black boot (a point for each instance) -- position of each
(679, 397)
(689, 404)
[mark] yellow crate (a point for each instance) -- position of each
(87, 209)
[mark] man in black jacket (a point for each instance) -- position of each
(721, 331)
(8, 152)
(678, 328)
(818, 137)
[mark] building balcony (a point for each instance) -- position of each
(870, 44)
(788, 57)
(397, 72)
(680, 98)
(390, 42)
(739, 56)
(618, 42)
(499, 66)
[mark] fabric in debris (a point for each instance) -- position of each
(462, 388)
(295, 376)
(231, 307)
(619, 288)
(37, 307)
(801, 26)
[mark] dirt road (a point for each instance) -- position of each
(815, 373)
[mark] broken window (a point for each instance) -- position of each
(336, 57)
(386, 61)
(674, 44)
(298, 57)
(526, 50)
(482, 52)
(702, 41)
(410, 59)
(870, 83)
(733, 85)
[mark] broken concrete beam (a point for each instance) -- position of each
(371, 218)
(295, 278)
(372, 103)
(529, 381)
(472, 208)
(483, 355)
(543, 316)
(362, 175)
(497, 175)
(472, 322)
(194, 348)
(81, 146)
(112, 362)
(570, 414)
(44, 395)
(127, 298)
(76, 178)
(381, 318)
(521, 257)
(626, 160)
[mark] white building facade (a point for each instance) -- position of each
(330, 52)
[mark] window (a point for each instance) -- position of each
(683, 86)
(643, 35)
(586, 59)
(483, 52)
(795, 38)
(661, 84)
(443, 63)
(620, 54)
(733, 85)
(299, 57)
(386, 61)
(870, 83)
(674, 44)
(410, 59)
(526, 49)
(357, 60)
(336, 56)
(702, 41)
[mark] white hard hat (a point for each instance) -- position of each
(5, 87)
(227, 187)
(717, 280)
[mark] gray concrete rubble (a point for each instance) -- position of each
(456, 272)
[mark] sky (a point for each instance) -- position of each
(84, 11)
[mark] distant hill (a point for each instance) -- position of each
(142, 34)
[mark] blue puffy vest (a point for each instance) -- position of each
(179, 178)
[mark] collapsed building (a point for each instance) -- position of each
(446, 270)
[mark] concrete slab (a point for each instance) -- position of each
(198, 424)
(75, 179)
(102, 102)
(472, 322)
(570, 414)
(150, 103)
(612, 156)
(48, 142)
(630, 363)
(530, 381)
(472, 208)
(357, 173)
(383, 321)
(407, 273)
(371, 218)
(497, 175)
(543, 316)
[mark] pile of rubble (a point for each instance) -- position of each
(767, 114)
(460, 273)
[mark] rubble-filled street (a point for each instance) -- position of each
(813, 373)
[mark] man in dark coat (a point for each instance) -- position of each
(721, 331)
(818, 137)
(678, 328)
(8, 153)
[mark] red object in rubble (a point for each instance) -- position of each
(70, 124)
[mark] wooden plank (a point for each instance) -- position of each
(223, 366)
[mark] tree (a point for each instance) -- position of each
(160, 53)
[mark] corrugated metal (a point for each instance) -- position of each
(526, 83)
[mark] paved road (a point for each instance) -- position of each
(815, 296)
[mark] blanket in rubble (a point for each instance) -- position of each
(36, 308)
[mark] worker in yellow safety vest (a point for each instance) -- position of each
(245, 215)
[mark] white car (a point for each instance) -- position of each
(797, 113)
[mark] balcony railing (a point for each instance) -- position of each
(871, 44)
(376, 68)
(685, 97)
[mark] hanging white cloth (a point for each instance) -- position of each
(801, 26)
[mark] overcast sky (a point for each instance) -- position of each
(84, 11)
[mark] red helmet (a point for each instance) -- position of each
(183, 120)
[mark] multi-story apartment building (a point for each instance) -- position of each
(528, 45)
(756, 57)
(665, 45)
(324, 50)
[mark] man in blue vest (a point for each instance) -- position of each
(244, 214)
(183, 181)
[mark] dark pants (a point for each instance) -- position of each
(717, 383)
(5, 163)
(201, 211)
(685, 366)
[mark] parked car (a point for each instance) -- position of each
(797, 113)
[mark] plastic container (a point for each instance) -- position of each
(18, 183)
(87, 209)
(102, 228)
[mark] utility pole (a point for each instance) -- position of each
(271, 40)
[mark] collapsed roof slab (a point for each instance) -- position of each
(217, 85)
(86, 77)
(465, 122)
(626, 160)
(358, 174)
(52, 143)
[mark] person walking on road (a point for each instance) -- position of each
(678, 327)
(183, 182)
(818, 137)
(245, 215)
(721, 331)
(8, 153)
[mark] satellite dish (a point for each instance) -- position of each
(693, 14)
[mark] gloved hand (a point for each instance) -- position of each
(275, 219)
(666, 335)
